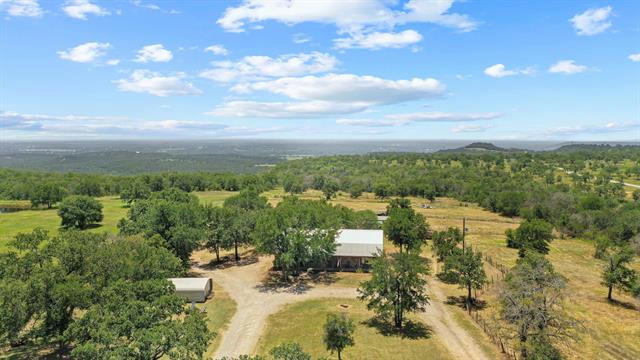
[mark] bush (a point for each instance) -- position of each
(79, 211)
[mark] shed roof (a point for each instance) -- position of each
(357, 242)
(190, 284)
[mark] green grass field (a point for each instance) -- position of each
(113, 210)
(308, 318)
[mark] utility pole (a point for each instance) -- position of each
(464, 231)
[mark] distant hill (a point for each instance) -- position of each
(477, 147)
(584, 147)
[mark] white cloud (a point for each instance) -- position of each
(634, 57)
(378, 40)
(371, 122)
(85, 53)
(154, 7)
(79, 9)
(346, 15)
(25, 8)
(260, 67)
(347, 88)
(217, 50)
(567, 67)
(611, 127)
(145, 81)
(592, 21)
(405, 119)
(113, 62)
(435, 116)
(284, 110)
(498, 71)
(470, 128)
(154, 53)
(369, 23)
(300, 38)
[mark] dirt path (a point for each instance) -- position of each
(256, 302)
(455, 338)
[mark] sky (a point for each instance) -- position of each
(333, 69)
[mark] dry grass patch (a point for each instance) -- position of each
(308, 318)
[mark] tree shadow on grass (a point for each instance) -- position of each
(410, 330)
(461, 301)
(623, 304)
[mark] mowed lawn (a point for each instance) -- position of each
(303, 323)
(113, 210)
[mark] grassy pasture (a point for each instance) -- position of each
(113, 210)
(308, 318)
(609, 330)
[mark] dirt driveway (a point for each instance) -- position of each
(256, 302)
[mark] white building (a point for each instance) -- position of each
(193, 289)
(355, 247)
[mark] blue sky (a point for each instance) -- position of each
(294, 69)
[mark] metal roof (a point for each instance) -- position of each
(190, 284)
(359, 243)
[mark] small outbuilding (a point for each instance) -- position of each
(193, 289)
(355, 247)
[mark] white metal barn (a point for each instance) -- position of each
(193, 289)
(355, 247)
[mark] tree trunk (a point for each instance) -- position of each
(339, 357)
(469, 297)
(217, 247)
(609, 296)
(235, 243)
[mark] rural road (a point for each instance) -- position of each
(256, 303)
(613, 181)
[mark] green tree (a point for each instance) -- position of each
(382, 190)
(289, 351)
(468, 271)
(356, 190)
(397, 286)
(173, 215)
(532, 234)
(136, 190)
(407, 229)
(330, 189)
(616, 273)
(444, 243)
(140, 320)
(46, 194)
(293, 185)
(80, 211)
(338, 333)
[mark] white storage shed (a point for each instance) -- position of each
(193, 289)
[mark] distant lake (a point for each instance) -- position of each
(9, 210)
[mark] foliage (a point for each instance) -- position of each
(467, 269)
(173, 215)
(46, 194)
(79, 211)
(617, 274)
(397, 286)
(338, 333)
(289, 351)
(135, 190)
(140, 320)
(48, 282)
(533, 235)
(406, 228)
(444, 243)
